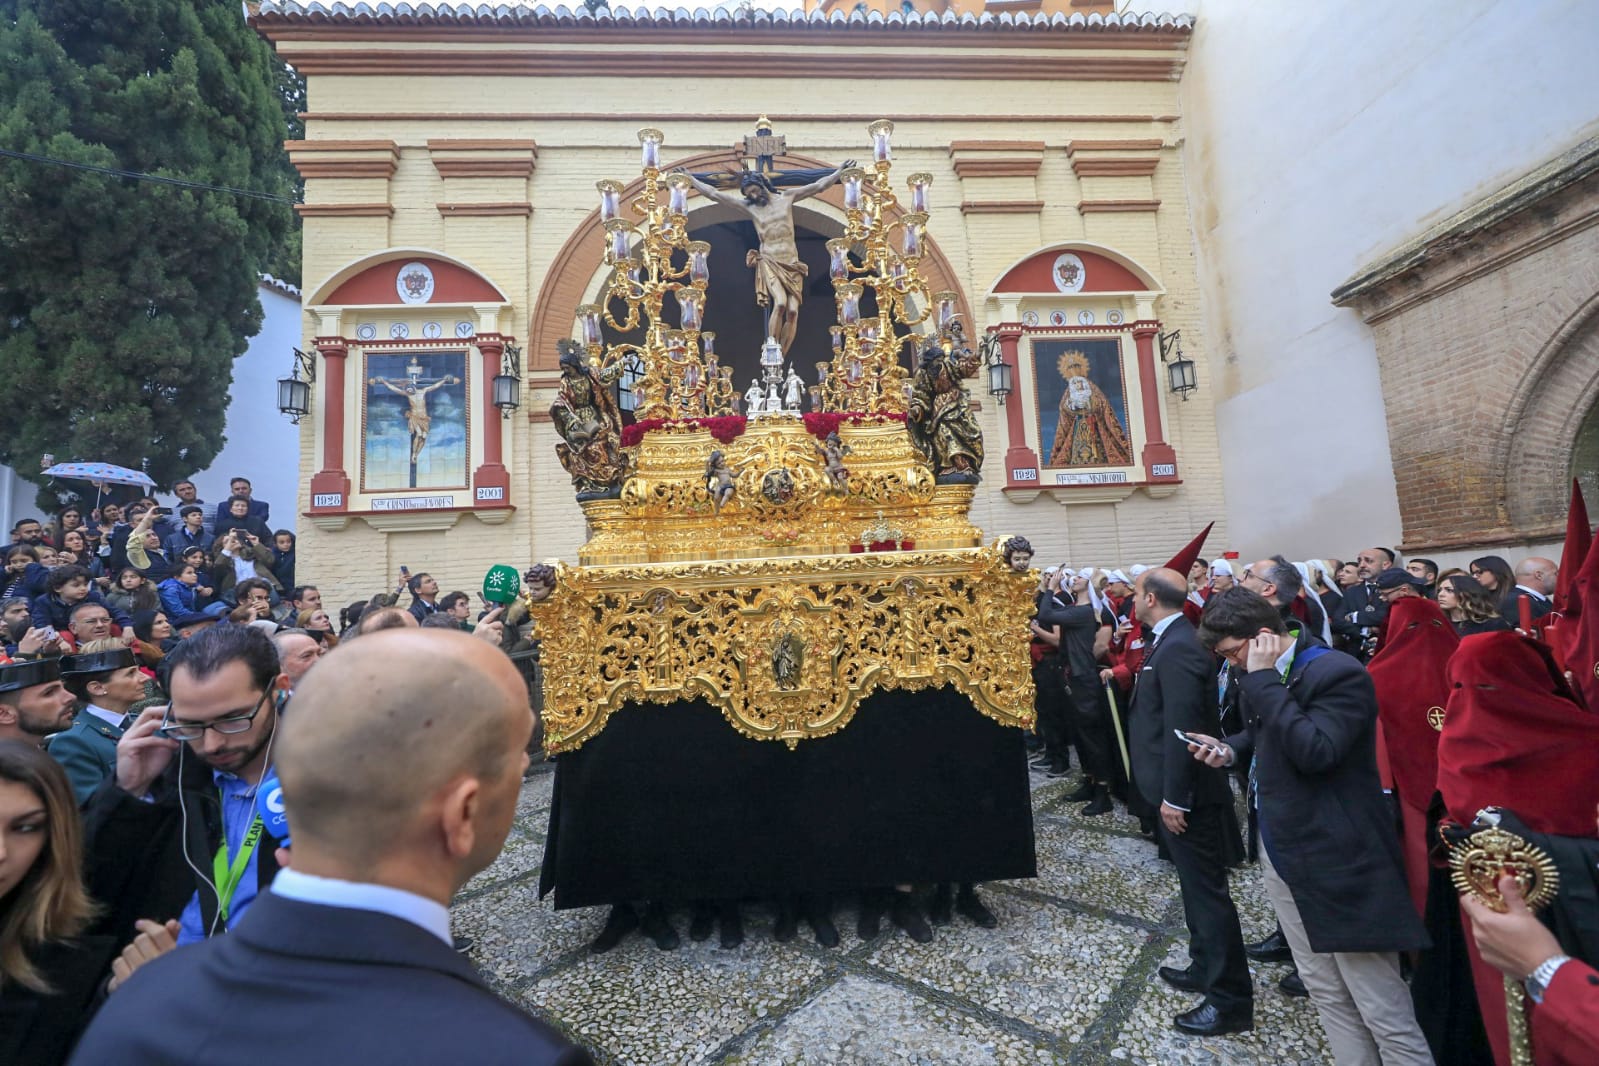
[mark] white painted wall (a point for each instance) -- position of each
(261, 444)
(1321, 135)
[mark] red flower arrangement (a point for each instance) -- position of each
(822, 423)
(725, 428)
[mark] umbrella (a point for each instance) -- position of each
(100, 475)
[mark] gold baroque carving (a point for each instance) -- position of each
(786, 648)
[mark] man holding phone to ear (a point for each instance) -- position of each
(176, 833)
(1172, 696)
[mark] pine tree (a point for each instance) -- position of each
(123, 303)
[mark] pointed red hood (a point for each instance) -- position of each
(1411, 676)
(1514, 737)
(1185, 558)
(1579, 537)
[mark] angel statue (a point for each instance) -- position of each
(941, 422)
(585, 415)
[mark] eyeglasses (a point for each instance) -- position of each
(191, 731)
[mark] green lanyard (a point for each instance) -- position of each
(228, 876)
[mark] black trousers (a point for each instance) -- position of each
(1215, 940)
(1091, 726)
(1049, 703)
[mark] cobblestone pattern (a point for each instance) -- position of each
(1067, 978)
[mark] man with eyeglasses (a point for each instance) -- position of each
(177, 831)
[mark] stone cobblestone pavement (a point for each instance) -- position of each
(1067, 978)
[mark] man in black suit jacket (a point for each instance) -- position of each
(347, 958)
(1174, 692)
(1329, 848)
(1363, 611)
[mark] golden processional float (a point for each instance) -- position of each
(781, 564)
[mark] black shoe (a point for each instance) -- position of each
(618, 924)
(1273, 949)
(903, 913)
(1207, 1020)
(973, 910)
(942, 910)
(822, 925)
(1083, 792)
(702, 923)
(1187, 980)
(786, 925)
(732, 926)
(1101, 804)
(1294, 985)
(1059, 768)
(656, 926)
(463, 944)
(1146, 828)
(870, 922)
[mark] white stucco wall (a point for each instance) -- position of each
(1319, 136)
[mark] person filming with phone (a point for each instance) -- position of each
(174, 839)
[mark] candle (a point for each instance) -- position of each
(708, 343)
(677, 195)
(675, 345)
(880, 131)
(618, 229)
(688, 303)
(838, 338)
(945, 302)
(852, 187)
(918, 184)
(699, 262)
(821, 372)
(610, 198)
(588, 317)
(850, 303)
(913, 223)
(838, 259)
(650, 141)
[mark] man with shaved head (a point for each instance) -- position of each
(1175, 694)
(1535, 583)
(400, 765)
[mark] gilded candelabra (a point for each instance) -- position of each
(881, 253)
(650, 259)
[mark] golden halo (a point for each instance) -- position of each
(1072, 364)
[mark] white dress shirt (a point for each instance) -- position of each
(420, 911)
(108, 717)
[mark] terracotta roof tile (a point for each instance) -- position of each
(527, 14)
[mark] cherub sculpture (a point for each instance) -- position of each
(719, 480)
(833, 451)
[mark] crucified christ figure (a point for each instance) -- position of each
(779, 272)
(416, 415)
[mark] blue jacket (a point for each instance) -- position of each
(177, 598)
(182, 541)
(48, 610)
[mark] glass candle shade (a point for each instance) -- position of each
(610, 199)
(635, 273)
(849, 308)
(708, 345)
(588, 319)
(676, 345)
(852, 187)
(838, 259)
(821, 372)
(898, 274)
(944, 302)
(880, 131)
(677, 187)
(838, 338)
(688, 305)
(912, 233)
(919, 184)
(699, 262)
(619, 232)
(650, 142)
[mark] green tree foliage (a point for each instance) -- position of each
(123, 303)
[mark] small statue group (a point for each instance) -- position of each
(585, 415)
(940, 421)
(719, 480)
(785, 397)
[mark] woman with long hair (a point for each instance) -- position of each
(350, 617)
(1494, 574)
(132, 591)
(317, 623)
(1469, 606)
(48, 977)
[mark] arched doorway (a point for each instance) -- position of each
(1585, 455)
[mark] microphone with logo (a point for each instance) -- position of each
(274, 819)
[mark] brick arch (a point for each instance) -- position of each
(582, 257)
(1543, 418)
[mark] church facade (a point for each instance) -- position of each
(452, 231)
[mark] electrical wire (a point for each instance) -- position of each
(138, 175)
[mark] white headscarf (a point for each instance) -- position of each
(1093, 593)
(1136, 569)
(1221, 566)
(1310, 594)
(1117, 575)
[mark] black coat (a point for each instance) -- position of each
(1175, 689)
(1324, 819)
(39, 1030)
(1510, 609)
(313, 985)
